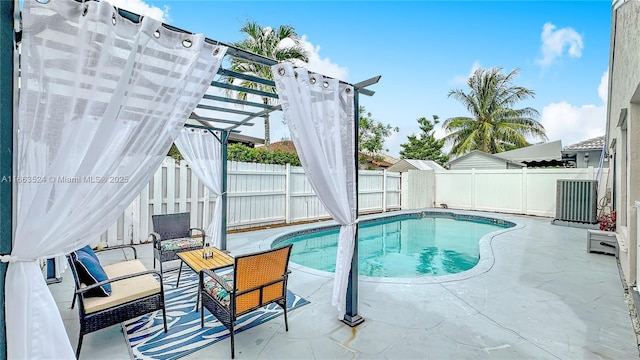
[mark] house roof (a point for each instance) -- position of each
(386, 157)
(535, 153)
(597, 143)
(245, 139)
(412, 164)
(482, 153)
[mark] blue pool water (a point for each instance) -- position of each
(405, 246)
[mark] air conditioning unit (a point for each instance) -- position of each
(576, 201)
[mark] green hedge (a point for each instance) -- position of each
(242, 153)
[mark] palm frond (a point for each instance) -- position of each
(494, 125)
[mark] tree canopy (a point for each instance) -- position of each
(372, 133)
(282, 43)
(493, 125)
(424, 146)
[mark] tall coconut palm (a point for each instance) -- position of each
(494, 125)
(282, 44)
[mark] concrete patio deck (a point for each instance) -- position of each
(543, 297)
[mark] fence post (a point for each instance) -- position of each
(205, 207)
(182, 189)
(384, 190)
(157, 189)
(525, 191)
(473, 188)
(170, 185)
(287, 194)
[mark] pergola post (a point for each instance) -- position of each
(224, 138)
(7, 46)
(351, 316)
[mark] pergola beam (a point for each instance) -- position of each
(223, 109)
(237, 101)
(216, 120)
(222, 85)
(237, 75)
(251, 117)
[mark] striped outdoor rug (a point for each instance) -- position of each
(146, 337)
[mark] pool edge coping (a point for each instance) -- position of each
(485, 263)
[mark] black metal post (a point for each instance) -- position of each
(351, 316)
(224, 137)
(7, 48)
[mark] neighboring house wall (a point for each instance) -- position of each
(623, 129)
(478, 161)
(585, 159)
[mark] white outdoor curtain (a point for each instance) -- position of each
(101, 101)
(320, 114)
(203, 152)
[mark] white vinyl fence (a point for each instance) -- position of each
(257, 194)
(518, 191)
(263, 194)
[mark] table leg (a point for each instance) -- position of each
(200, 282)
(179, 273)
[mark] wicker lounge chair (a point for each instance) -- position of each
(134, 291)
(257, 280)
(171, 235)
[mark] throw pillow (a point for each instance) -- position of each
(89, 251)
(91, 272)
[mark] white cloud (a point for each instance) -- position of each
(573, 123)
(558, 42)
(461, 79)
(319, 65)
(603, 88)
(141, 8)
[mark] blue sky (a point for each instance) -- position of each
(423, 49)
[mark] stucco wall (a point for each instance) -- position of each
(624, 79)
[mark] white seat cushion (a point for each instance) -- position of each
(125, 290)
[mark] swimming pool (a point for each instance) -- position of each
(408, 245)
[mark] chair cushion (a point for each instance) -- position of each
(217, 291)
(181, 243)
(91, 272)
(124, 290)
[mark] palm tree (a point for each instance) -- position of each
(494, 125)
(281, 44)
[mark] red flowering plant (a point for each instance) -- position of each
(608, 222)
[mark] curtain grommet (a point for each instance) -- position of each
(312, 80)
(325, 84)
(216, 51)
(281, 71)
(156, 34)
(113, 19)
(187, 43)
(348, 90)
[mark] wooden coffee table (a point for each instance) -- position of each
(196, 262)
